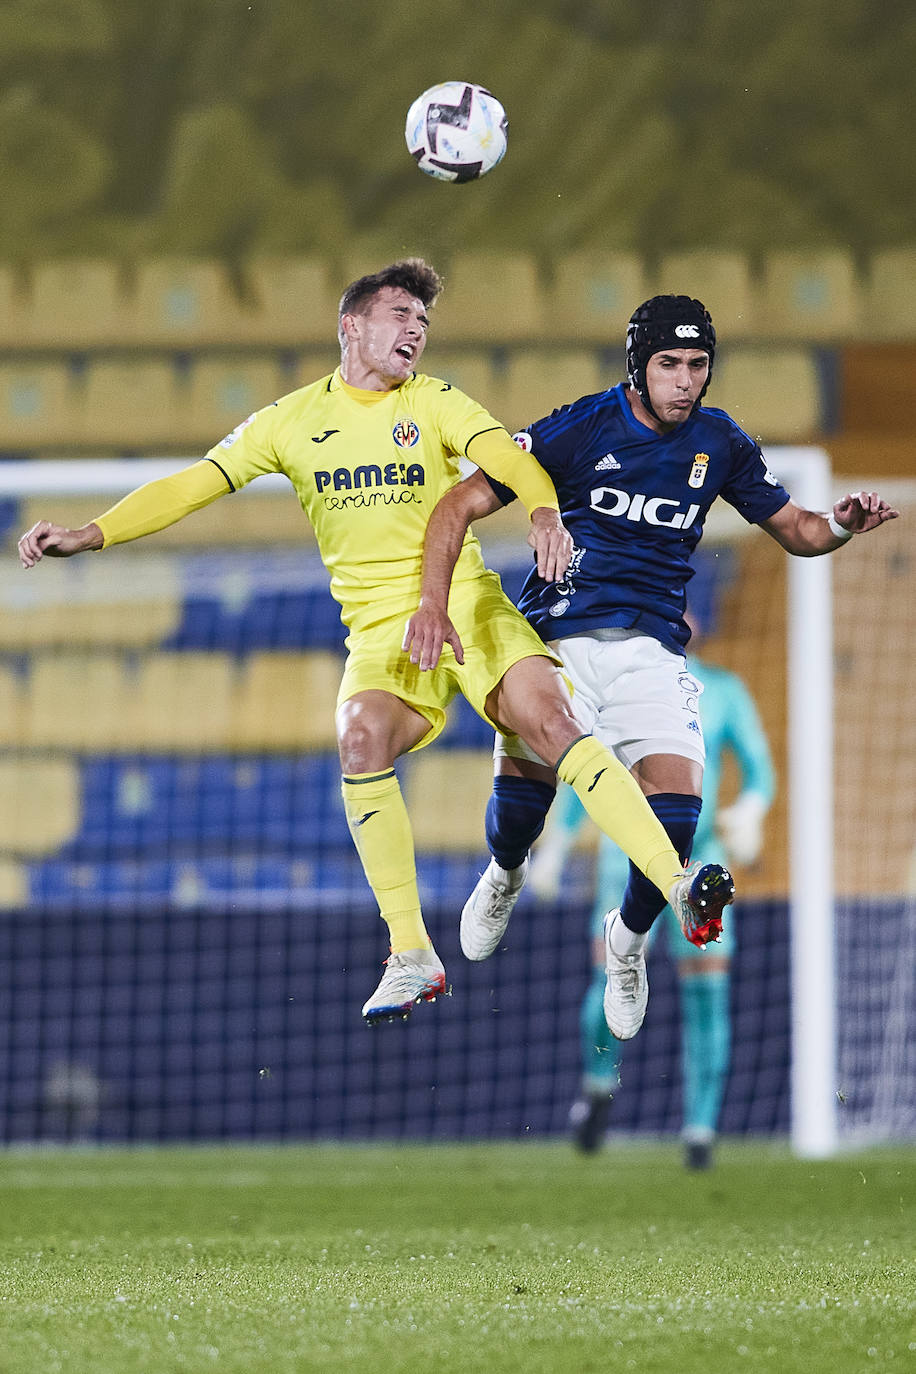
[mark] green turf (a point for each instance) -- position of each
(508, 1257)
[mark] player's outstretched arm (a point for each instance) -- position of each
(808, 533)
(429, 628)
(149, 508)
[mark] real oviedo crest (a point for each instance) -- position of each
(406, 433)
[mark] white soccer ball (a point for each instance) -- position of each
(456, 131)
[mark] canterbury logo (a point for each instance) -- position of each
(687, 331)
(597, 778)
(368, 816)
(320, 438)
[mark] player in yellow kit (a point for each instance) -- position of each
(370, 450)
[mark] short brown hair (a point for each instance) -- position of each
(412, 274)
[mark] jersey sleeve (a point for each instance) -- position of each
(250, 450)
(752, 489)
(526, 440)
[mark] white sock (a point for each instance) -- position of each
(626, 942)
(509, 878)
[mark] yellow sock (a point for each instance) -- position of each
(380, 827)
(615, 802)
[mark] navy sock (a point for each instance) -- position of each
(516, 813)
(642, 901)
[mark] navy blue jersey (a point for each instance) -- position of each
(635, 503)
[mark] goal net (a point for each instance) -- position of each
(187, 936)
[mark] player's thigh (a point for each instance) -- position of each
(376, 664)
(496, 638)
(651, 704)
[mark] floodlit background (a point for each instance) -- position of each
(187, 188)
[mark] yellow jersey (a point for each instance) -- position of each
(369, 469)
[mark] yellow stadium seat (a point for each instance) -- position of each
(131, 404)
(88, 624)
(721, 280)
(12, 320)
(183, 302)
(811, 296)
(593, 296)
(311, 365)
(490, 297)
(223, 392)
(289, 301)
(890, 296)
(287, 701)
(540, 380)
(470, 370)
(77, 702)
(12, 701)
(75, 303)
(773, 393)
(38, 405)
(446, 791)
(182, 702)
(14, 885)
(39, 805)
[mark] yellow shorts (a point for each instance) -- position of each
(494, 635)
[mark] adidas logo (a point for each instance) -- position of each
(607, 464)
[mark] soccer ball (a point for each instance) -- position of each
(456, 131)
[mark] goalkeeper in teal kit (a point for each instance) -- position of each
(731, 725)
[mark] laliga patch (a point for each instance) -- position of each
(698, 471)
(406, 433)
(523, 439)
(231, 438)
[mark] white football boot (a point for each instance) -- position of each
(413, 975)
(626, 994)
(486, 912)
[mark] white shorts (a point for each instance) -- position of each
(631, 693)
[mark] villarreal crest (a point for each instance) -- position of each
(405, 433)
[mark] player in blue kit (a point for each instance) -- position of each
(731, 727)
(636, 469)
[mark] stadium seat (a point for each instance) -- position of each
(183, 303)
(38, 405)
(77, 624)
(75, 303)
(540, 380)
(311, 364)
(223, 392)
(593, 295)
(462, 778)
(490, 298)
(811, 296)
(11, 308)
(131, 404)
(12, 702)
(77, 702)
(890, 296)
(471, 371)
(286, 701)
(182, 703)
(721, 280)
(39, 805)
(773, 393)
(289, 302)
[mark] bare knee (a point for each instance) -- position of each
(373, 729)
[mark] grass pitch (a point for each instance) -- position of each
(497, 1258)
